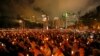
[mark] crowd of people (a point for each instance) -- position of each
(54, 42)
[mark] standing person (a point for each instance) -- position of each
(75, 48)
(81, 51)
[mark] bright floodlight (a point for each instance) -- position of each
(66, 15)
(56, 18)
(43, 15)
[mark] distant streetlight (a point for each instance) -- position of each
(56, 23)
(45, 21)
(34, 19)
(95, 19)
(21, 23)
(66, 15)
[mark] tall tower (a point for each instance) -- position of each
(69, 18)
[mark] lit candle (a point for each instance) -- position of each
(46, 39)
(67, 39)
(72, 53)
(60, 44)
(14, 39)
(52, 55)
(27, 54)
(2, 44)
(13, 42)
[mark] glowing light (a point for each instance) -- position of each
(27, 37)
(42, 41)
(29, 48)
(43, 15)
(47, 27)
(46, 39)
(56, 18)
(88, 42)
(2, 44)
(67, 39)
(66, 14)
(72, 52)
(41, 48)
(44, 19)
(13, 42)
(98, 27)
(60, 44)
(14, 39)
(52, 55)
(20, 21)
(91, 36)
(27, 54)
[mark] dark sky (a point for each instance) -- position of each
(29, 8)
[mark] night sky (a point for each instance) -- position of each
(50, 7)
(53, 8)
